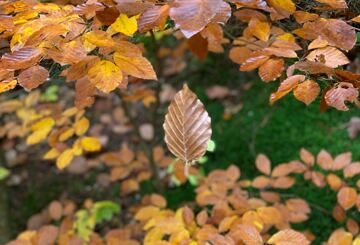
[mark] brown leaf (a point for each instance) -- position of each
(346, 197)
(263, 164)
(247, 234)
(302, 16)
(155, 16)
(287, 237)
(80, 69)
(191, 16)
(284, 182)
(271, 69)
(245, 15)
(198, 46)
(33, 77)
(332, 56)
(254, 61)
(187, 126)
(107, 16)
(283, 7)
(281, 52)
(335, 4)
(20, 59)
(337, 96)
(85, 92)
(239, 54)
(55, 210)
(307, 91)
(286, 87)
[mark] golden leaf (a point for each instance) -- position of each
(105, 76)
(90, 144)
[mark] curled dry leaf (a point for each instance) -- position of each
(271, 69)
(307, 91)
(33, 77)
(337, 96)
(187, 126)
(287, 237)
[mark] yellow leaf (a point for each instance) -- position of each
(70, 112)
(125, 25)
(284, 7)
(51, 154)
(136, 66)
(7, 85)
(65, 159)
(99, 38)
(68, 133)
(46, 122)
(90, 144)
(77, 148)
(105, 76)
(154, 235)
(81, 126)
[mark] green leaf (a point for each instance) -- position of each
(105, 210)
(358, 37)
(4, 173)
(194, 180)
(211, 146)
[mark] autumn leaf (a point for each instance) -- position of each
(191, 16)
(155, 16)
(332, 57)
(33, 77)
(337, 95)
(105, 76)
(260, 29)
(125, 25)
(7, 85)
(136, 66)
(247, 234)
(64, 159)
(284, 7)
(90, 144)
(263, 164)
(307, 91)
(346, 197)
(20, 59)
(335, 4)
(271, 70)
(187, 126)
(287, 236)
(286, 87)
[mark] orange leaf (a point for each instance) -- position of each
(263, 164)
(346, 197)
(260, 29)
(271, 69)
(307, 91)
(287, 237)
(286, 87)
(332, 57)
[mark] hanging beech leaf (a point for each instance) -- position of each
(307, 91)
(33, 77)
(332, 57)
(271, 70)
(337, 96)
(187, 126)
(191, 16)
